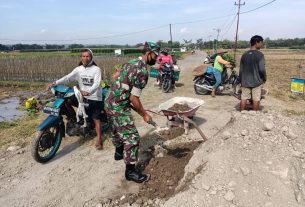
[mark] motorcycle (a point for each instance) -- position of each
(53, 129)
(166, 77)
(229, 84)
(210, 59)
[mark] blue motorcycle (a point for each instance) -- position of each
(52, 129)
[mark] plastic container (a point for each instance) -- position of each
(155, 72)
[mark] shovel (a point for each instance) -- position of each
(158, 128)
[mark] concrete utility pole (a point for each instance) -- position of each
(216, 46)
(170, 32)
(235, 45)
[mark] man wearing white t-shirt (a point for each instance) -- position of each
(88, 76)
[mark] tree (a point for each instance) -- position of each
(200, 44)
(72, 46)
(56, 47)
(188, 44)
(4, 48)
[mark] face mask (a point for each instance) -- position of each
(151, 61)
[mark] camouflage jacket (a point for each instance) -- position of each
(132, 79)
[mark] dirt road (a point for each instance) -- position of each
(218, 174)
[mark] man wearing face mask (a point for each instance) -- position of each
(124, 95)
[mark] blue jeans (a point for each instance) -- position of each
(217, 75)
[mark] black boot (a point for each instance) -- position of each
(118, 155)
(131, 174)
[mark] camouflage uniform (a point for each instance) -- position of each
(132, 79)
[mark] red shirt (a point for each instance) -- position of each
(165, 59)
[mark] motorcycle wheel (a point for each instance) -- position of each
(199, 90)
(166, 85)
(46, 144)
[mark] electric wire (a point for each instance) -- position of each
(257, 7)
(230, 26)
(141, 31)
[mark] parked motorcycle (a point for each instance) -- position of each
(204, 82)
(53, 129)
(166, 77)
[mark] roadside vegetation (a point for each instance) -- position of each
(281, 65)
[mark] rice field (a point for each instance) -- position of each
(281, 66)
(49, 67)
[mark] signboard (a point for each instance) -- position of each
(118, 52)
(297, 85)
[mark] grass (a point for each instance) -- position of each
(21, 131)
(21, 84)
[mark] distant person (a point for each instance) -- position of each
(165, 58)
(252, 73)
(219, 63)
(88, 76)
(124, 95)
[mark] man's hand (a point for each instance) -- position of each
(85, 93)
(49, 85)
(147, 118)
(228, 65)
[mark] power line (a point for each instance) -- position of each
(141, 31)
(258, 7)
(203, 20)
(229, 27)
(101, 37)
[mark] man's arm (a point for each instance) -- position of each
(262, 69)
(138, 107)
(241, 65)
(64, 80)
(222, 61)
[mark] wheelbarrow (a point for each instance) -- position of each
(182, 118)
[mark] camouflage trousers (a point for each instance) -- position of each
(124, 132)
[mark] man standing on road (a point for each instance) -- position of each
(124, 95)
(252, 73)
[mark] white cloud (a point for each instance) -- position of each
(43, 30)
(184, 30)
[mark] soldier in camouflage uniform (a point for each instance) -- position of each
(123, 96)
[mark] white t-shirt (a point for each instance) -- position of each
(88, 78)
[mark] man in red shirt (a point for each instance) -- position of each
(165, 58)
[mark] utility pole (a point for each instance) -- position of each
(235, 45)
(170, 32)
(216, 46)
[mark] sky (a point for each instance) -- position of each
(136, 21)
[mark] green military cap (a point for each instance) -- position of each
(151, 46)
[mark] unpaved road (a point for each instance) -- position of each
(220, 171)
